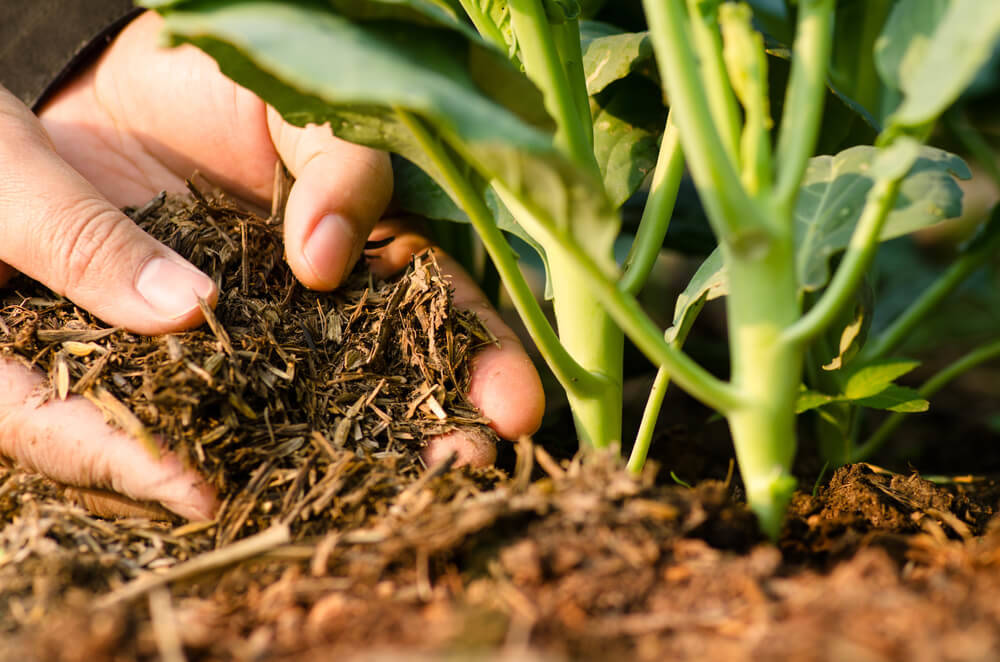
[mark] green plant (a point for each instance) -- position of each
(524, 118)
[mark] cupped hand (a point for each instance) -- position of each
(138, 121)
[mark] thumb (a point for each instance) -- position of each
(56, 228)
(340, 191)
(69, 442)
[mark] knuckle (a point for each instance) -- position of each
(86, 238)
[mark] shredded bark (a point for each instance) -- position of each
(281, 398)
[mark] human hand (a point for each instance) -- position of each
(136, 122)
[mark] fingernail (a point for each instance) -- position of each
(172, 289)
(329, 250)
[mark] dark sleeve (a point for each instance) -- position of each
(43, 42)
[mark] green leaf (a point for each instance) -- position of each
(709, 282)
(427, 12)
(852, 335)
(809, 400)
(932, 57)
(610, 55)
(897, 398)
(423, 12)
(870, 386)
(833, 196)
(315, 65)
(870, 380)
(628, 119)
(903, 43)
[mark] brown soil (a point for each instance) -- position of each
(582, 563)
(362, 553)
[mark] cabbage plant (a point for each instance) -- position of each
(802, 124)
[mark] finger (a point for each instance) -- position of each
(340, 191)
(58, 229)
(471, 447)
(504, 383)
(68, 441)
(108, 504)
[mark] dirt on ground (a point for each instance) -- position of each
(336, 542)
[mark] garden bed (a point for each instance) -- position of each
(335, 540)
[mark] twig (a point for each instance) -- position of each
(168, 638)
(240, 551)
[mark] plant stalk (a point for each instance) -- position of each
(650, 414)
(626, 311)
(734, 216)
(762, 303)
(486, 28)
(567, 37)
(595, 342)
(746, 60)
(803, 109)
(544, 67)
(708, 48)
(657, 213)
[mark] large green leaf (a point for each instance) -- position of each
(628, 110)
(425, 12)
(903, 43)
(315, 65)
(610, 54)
(932, 56)
(833, 195)
(829, 204)
(628, 120)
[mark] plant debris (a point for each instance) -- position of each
(308, 410)
(264, 398)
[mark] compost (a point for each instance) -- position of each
(308, 412)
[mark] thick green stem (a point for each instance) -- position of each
(544, 67)
(932, 386)
(762, 303)
(746, 61)
(487, 29)
(553, 60)
(569, 373)
(733, 214)
(567, 37)
(625, 310)
(803, 109)
(656, 215)
(595, 342)
(708, 47)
